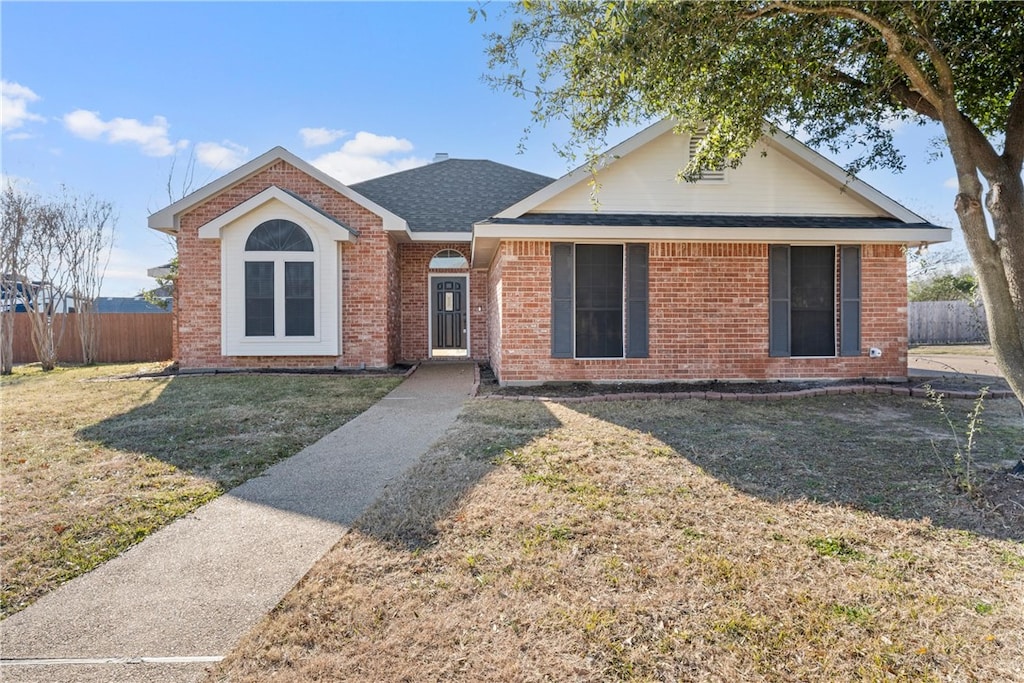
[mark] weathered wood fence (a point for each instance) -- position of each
(124, 338)
(946, 322)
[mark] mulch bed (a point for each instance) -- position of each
(951, 387)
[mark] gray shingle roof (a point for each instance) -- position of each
(451, 195)
(598, 219)
(127, 304)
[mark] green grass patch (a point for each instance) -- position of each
(93, 464)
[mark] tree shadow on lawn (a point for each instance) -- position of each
(229, 428)
(886, 455)
(406, 514)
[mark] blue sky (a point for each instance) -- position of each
(107, 97)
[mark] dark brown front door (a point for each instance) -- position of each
(448, 314)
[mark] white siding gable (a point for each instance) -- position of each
(644, 181)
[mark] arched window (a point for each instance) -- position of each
(280, 287)
(448, 259)
(278, 235)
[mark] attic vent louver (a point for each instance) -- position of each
(440, 156)
(716, 175)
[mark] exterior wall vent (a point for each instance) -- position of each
(715, 175)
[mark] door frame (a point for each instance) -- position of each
(447, 353)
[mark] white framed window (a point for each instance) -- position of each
(280, 282)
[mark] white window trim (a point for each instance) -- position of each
(326, 258)
(623, 290)
(279, 258)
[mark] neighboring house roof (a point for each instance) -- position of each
(127, 304)
(166, 220)
(451, 195)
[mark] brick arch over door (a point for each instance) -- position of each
(414, 265)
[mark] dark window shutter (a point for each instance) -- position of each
(778, 300)
(849, 305)
(636, 301)
(561, 300)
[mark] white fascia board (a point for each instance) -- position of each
(166, 219)
(582, 173)
(337, 232)
(570, 233)
(440, 236)
(830, 170)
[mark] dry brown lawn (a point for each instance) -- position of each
(807, 540)
(92, 465)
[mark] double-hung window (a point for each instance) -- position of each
(599, 300)
(279, 281)
(803, 318)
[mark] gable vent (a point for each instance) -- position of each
(715, 175)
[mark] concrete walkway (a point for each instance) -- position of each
(183, 597)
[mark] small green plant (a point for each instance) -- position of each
(828, 546)
(984, 608)
(962, 468)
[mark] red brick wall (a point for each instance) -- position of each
(369, 266)
(414, 265)
(708, 318)
(495, 304)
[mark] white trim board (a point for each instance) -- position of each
(167, 219)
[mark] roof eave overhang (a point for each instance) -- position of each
(584, 172)
(167, 220)
(439, 236)
(337, 230)
(785, 143)
(487, 237)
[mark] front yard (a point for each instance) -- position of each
(809, 539)
(91, 465)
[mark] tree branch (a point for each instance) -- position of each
(897, 52)
(1013, 150)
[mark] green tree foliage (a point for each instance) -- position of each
(164, 291)
(841, 72)
(944, 287)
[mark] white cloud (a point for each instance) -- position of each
(221, 156)
(952, 183)
(351, 168)
(318, 137)
(14, 101)
(894, 124)
(84, 124)
(368, 155)
(152, 138)
(368, 144)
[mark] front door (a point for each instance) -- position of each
(448, 316)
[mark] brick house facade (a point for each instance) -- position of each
(782, 269)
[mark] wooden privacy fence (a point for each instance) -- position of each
(124, 338)
(946, 322)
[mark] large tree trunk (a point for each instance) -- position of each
(999, 262)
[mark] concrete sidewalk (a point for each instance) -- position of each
(183, 597)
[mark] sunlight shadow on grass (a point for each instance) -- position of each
(870, 453)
